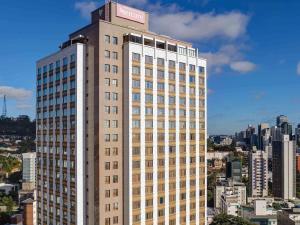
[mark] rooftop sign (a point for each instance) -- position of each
(130, 13)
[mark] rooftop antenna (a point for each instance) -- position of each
(4, 109)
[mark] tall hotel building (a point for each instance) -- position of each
(121, 126)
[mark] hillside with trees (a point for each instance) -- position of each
(20, 126)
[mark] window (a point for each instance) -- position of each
(192, 52)
(136, 110)
(115, 55)
(149, 124)
(107, 151)
(135, 123)
(160, 86)
(114, 137)
(72, 71)
(107, 95)
(107, 54)
(192, 68)
(114, 96)
(148, 111)
(107, 68)
(107, 82)
(136, 70)
(192, 79)
(171, 100)
(160, 62)
(201, 69)
(171, 64)
(106, 123)
(160, 74)
(107, 109)
(182, 51)
(135, 83)
(172, 88)
(107, 39)
(114, 109)
(72, 58)
(182, 66)
(50, 66)
(135, 97)
(160, 99)
(160, 111)
(65, 61)
(172, 76)
(65, 74)
(148, 59)
(107, 137)
(57, 64)
(148, 72)
(136, 57)
(115, 69)
(114, 123)
(115, 40)
(114, 82)
(148, 85)
(45, 69)
(148, 98)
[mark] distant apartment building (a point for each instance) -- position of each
(121, 129)
(258, 173)
(234, 170)
(229, 190)
(284, 168)
(29, 171)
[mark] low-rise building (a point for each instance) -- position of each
(7, 188)
(229, 196)
(260, 212)
(289, 216)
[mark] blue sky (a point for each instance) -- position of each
(253, 48)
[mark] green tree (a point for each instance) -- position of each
(223, 219)
(8, 202)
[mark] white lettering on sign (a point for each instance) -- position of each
(130, 13)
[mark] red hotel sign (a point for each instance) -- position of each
(130, 13)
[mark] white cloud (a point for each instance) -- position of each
(24, 106)
(18, 94)
(195, 26)
(85, 8)
(243, 66)
(298, 68)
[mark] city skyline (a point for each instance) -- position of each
(247, 64)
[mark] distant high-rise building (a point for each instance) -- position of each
(298, 175)
(29, 171)
(258, 173)
(281, 119)
(297, 135)
(263, 135)
(121, 130)
(286, 128)
(276, 133)
(234, 170)
(284, 168)
(249, 133)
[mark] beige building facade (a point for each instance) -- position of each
(121, 118)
